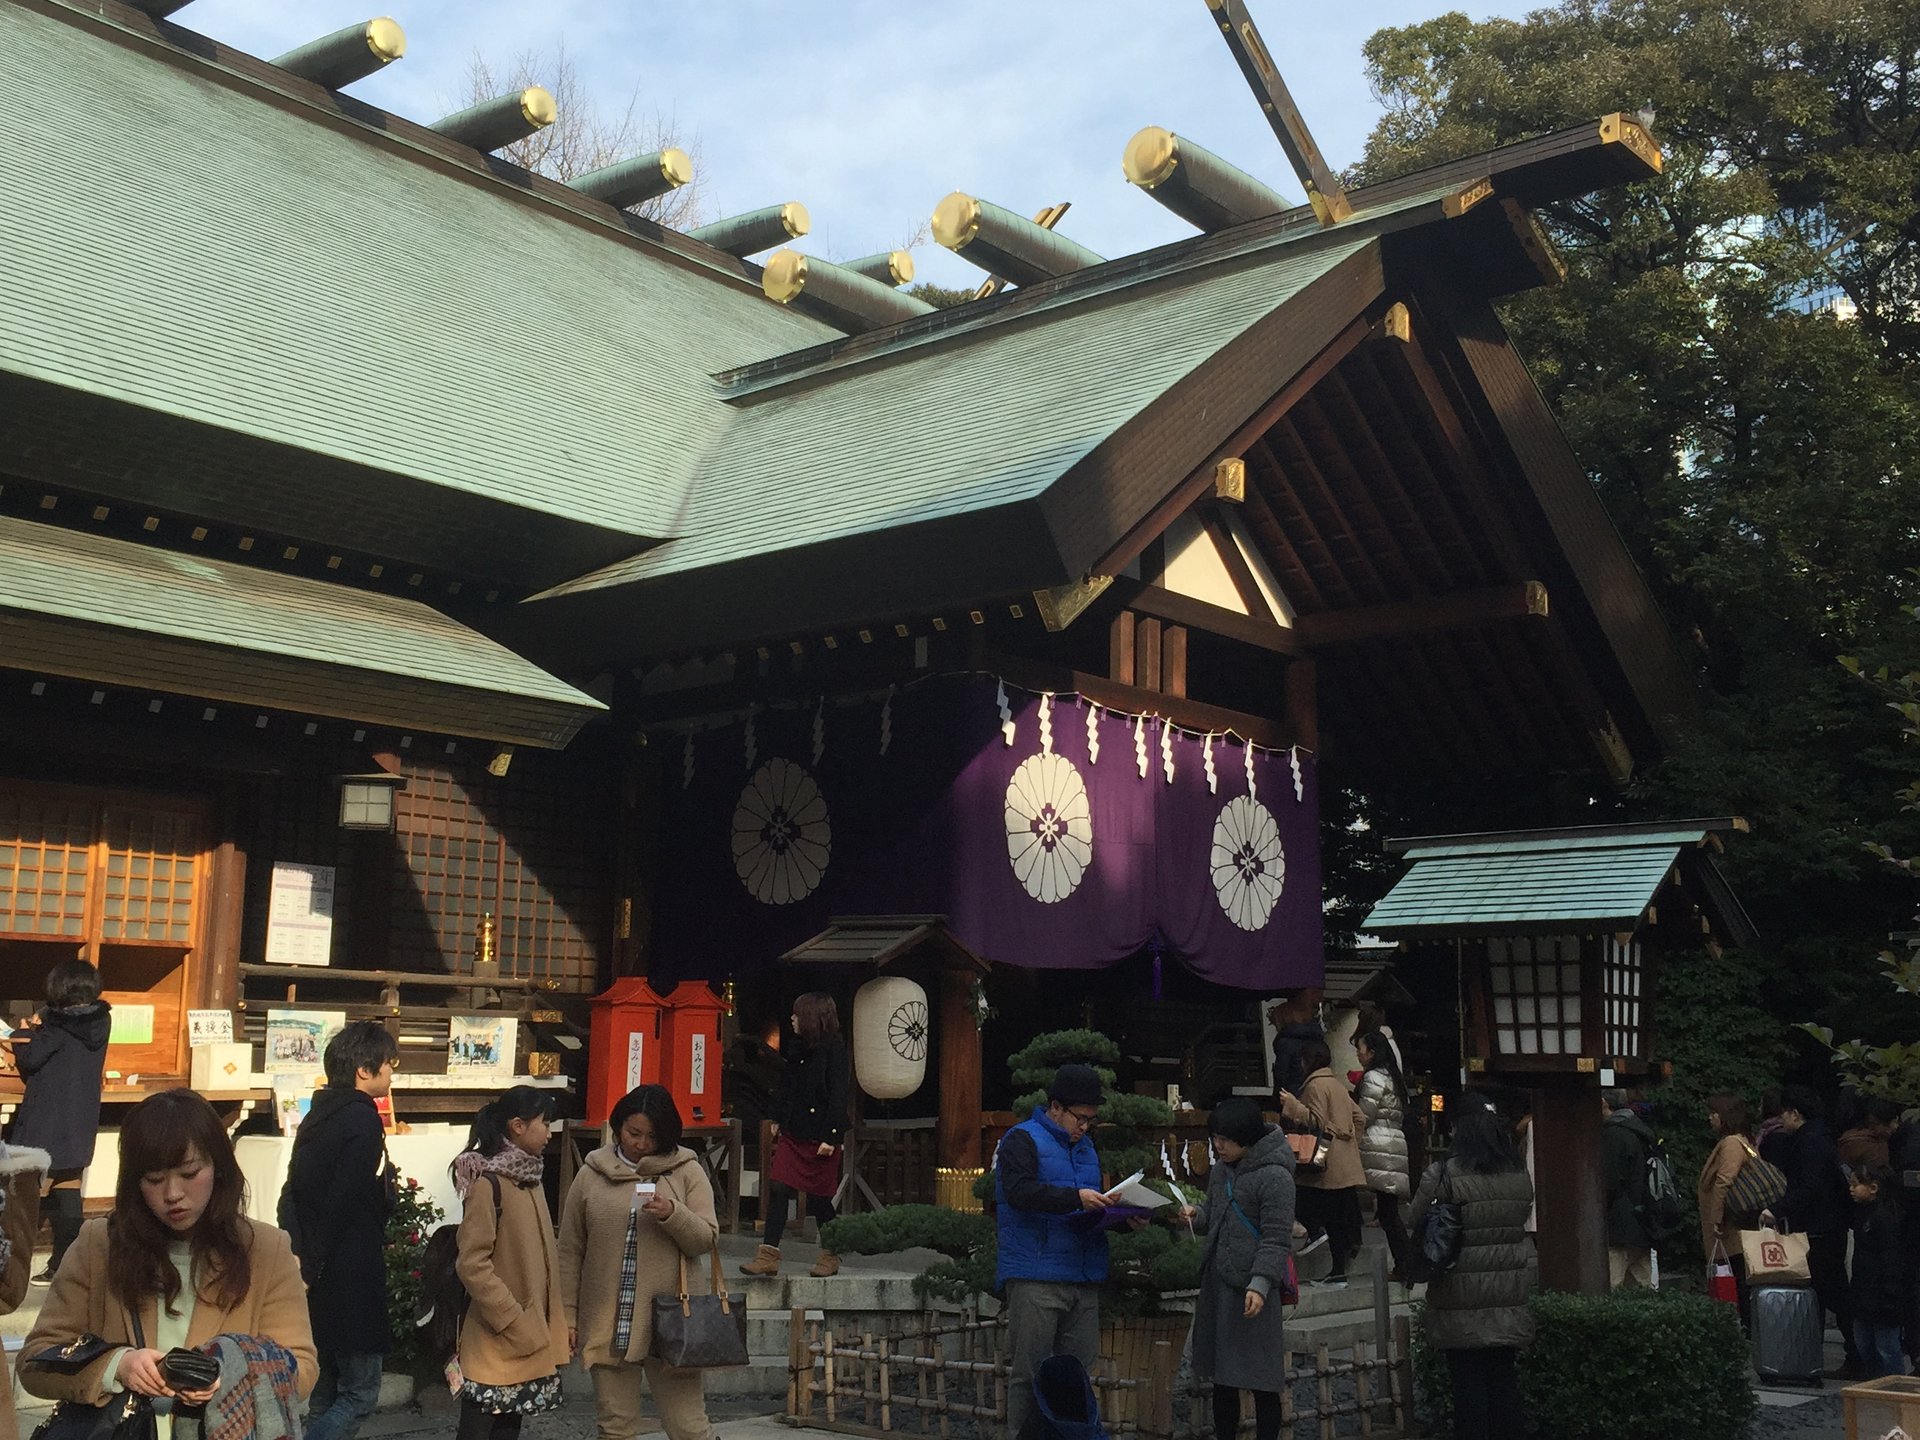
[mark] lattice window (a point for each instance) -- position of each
(149, 877)
(1536, 994)
(45, 853)
(1620, 998)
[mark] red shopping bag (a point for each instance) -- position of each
(1720, 1283)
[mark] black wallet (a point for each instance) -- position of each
(72, 1357)
(189, 1369)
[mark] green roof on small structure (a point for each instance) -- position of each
(1584, 879)
(175, 241)
(213, 606)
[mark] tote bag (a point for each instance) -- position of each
(1760, 1185)
(700, 1332)
(1775, 1259)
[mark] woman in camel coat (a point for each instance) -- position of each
(671, 1223)
(1330, 1198)
(22, 1171)
(1719, 1226)
(178, 1251)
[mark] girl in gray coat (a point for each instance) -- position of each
(1382, 1098)
(1248, 1222)
(1477, 1312)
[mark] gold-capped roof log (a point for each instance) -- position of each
(496, 123)
(347, 55)
(757, 230)
(642, 178)
(1003, 243)
(1196, 184)
(889, 267)
(847, 299)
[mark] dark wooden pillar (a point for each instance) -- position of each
(217, 977)
(1568, 1190)
(1303, 703)
(957, 1134)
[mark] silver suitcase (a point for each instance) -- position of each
(1789, 1334)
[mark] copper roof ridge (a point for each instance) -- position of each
(122, 22)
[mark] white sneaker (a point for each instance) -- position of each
(1316, 1243)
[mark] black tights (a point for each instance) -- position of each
(1387, 1208)
(1226, 1413)
(479, 1424)
(779, 1200)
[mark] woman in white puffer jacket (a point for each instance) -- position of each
(1382, 1097)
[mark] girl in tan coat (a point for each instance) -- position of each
(22, 1169)
(1329, 1199)
(514, 1338)
(1719, 1226)
(178, 1254)
(647, 1195)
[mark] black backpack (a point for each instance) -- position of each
(1659, 1208)
(443, 1298)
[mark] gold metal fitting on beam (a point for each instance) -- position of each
(785, 276)
(537, 106)
(900, 266)
(956, 220)
(1230, 480)
(1151, 156)
(386, 40)
(1397, 323)
(793, 215)
(676, 166)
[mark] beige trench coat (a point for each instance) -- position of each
(593, 1235)
(515, 1330)
(1326, 1102)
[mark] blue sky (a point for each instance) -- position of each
(870, 112)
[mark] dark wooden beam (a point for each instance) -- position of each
(1120, 666)
(1462, 610)
(1238, 570)
(1146, 653)
(1178, 609)
(1200, 481)
(1187, 713)
(1324, 191)
(1173, 661)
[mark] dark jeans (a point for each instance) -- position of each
(479, 1424)
(1486, 1395)
(1226, 1413)
(345, 1394)
(65, 1214)
(779, 1200)
(1878, 1342)
(1336, 1213)
(1387, 1207)
(1827, 1261)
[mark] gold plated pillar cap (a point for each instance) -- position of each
(900, 264)
(676, 166)
(956, 220)
(794, 216)
(386, 40)
(1151, 156)
(785, 276)
(537, 107)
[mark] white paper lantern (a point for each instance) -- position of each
(890, 1037)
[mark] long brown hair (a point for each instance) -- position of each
(1735, 1118)
(818, 1018)
(158, 1134)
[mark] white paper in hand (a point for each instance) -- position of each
(1131, 1192)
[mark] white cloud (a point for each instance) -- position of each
(869, 112)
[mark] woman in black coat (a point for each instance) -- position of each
(62, 1058)
(810, 1127)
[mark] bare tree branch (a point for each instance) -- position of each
(585, 137)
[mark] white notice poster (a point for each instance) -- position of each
(697, 1066)
(636, 1051)
(209, 1027)
(300, 914)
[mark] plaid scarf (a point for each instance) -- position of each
(629, 1282)
(258, 1398)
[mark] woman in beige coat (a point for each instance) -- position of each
(1719, 1226)
(1329, 1199)
(648, 1192)
(22, 1170)
(513, 1340)
(177, 1253)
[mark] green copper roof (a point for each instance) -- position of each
(1574, 890)
(103, 609)
(175, 239)
(988, 418)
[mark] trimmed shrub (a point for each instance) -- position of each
(1634, 1365)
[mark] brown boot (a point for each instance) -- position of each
(827, 1264)
(765, 1262)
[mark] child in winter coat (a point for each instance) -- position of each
(1878, 1291)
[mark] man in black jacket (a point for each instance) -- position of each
(1625, 1142)
(1816, 1205)
(338, 1194)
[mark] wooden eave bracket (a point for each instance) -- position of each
(1462, 610)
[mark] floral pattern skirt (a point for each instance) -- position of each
(529, 1397)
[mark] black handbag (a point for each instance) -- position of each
(1437, 1238)
(123, 1417)
(700, 1332)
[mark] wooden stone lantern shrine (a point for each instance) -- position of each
(1558, 936)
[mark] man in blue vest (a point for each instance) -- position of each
(1050, 1271)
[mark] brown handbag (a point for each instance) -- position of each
(700, 1332)
(1309, 1151)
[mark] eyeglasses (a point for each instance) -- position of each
(1083, 1118)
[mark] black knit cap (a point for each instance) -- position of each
(1076, 1085)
